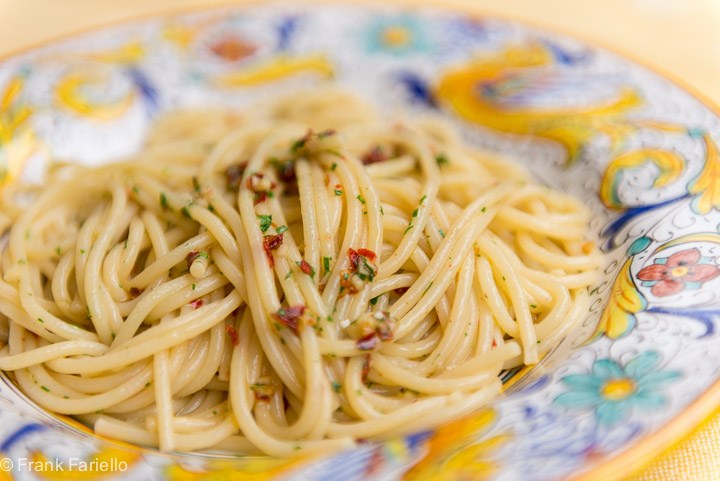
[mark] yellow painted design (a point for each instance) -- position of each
(706, 186)
(514, 69)
(246, 469)
(454, 454)
(699, 237)
(276, 69)
(670, 165)
(618, 389)
(625, 301)
(105, 463)
(17, 139)
(396, 36)
(128, 53)
(4, 462)
(70, 95)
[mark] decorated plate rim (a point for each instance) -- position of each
(638, 453)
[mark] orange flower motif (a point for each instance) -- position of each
(686, 269)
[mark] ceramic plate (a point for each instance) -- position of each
(642, 152)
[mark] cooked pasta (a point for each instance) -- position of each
(289, 278)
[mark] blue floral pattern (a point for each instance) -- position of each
(612, 390)
(397, 35)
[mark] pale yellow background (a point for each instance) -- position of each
(676, 37)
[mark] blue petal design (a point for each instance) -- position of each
(147, 90)
(612, 229)
(565, 56)
(285, 30)
(639, 245)
(705, 316)
(611, 413)
(578, 399)
(655, 379)
(418, 89)
(19, 434)
(647, 400)
(642, 365)
(583, 382)
(607, 369)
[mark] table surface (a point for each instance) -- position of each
(678, 38)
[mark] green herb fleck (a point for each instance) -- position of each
(265, 221)
(333, 166)
(361, 198)
(163, 200)
(442, 233)
(40, 320)
(483, 209)
(58, 251)
(281, 229)
(44, 388)
(415, 213)
(442, 159)
(336, 386)
(326, 263)
(338, 192)
(374, 300)
(410, 226)
(194, 286)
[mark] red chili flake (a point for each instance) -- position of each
(263, 392)
(286, 171)
(366, 368)
(326, 133)
(134, 291)
(190, 258)
(354, 257)
(374, 155)
(273, 241)
(260, 197)
(384, 330)
(270, 243)
(401, 290)
(289, 316)
(306, 268)
(233, 175)
(234, 336)
(368, 342)
(346, 281)
(494, 343)
(196, 303)
(368, 254)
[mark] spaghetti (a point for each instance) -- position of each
(290, 279)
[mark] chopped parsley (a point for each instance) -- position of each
(265, 221)
(361, 198)
(281, 229)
